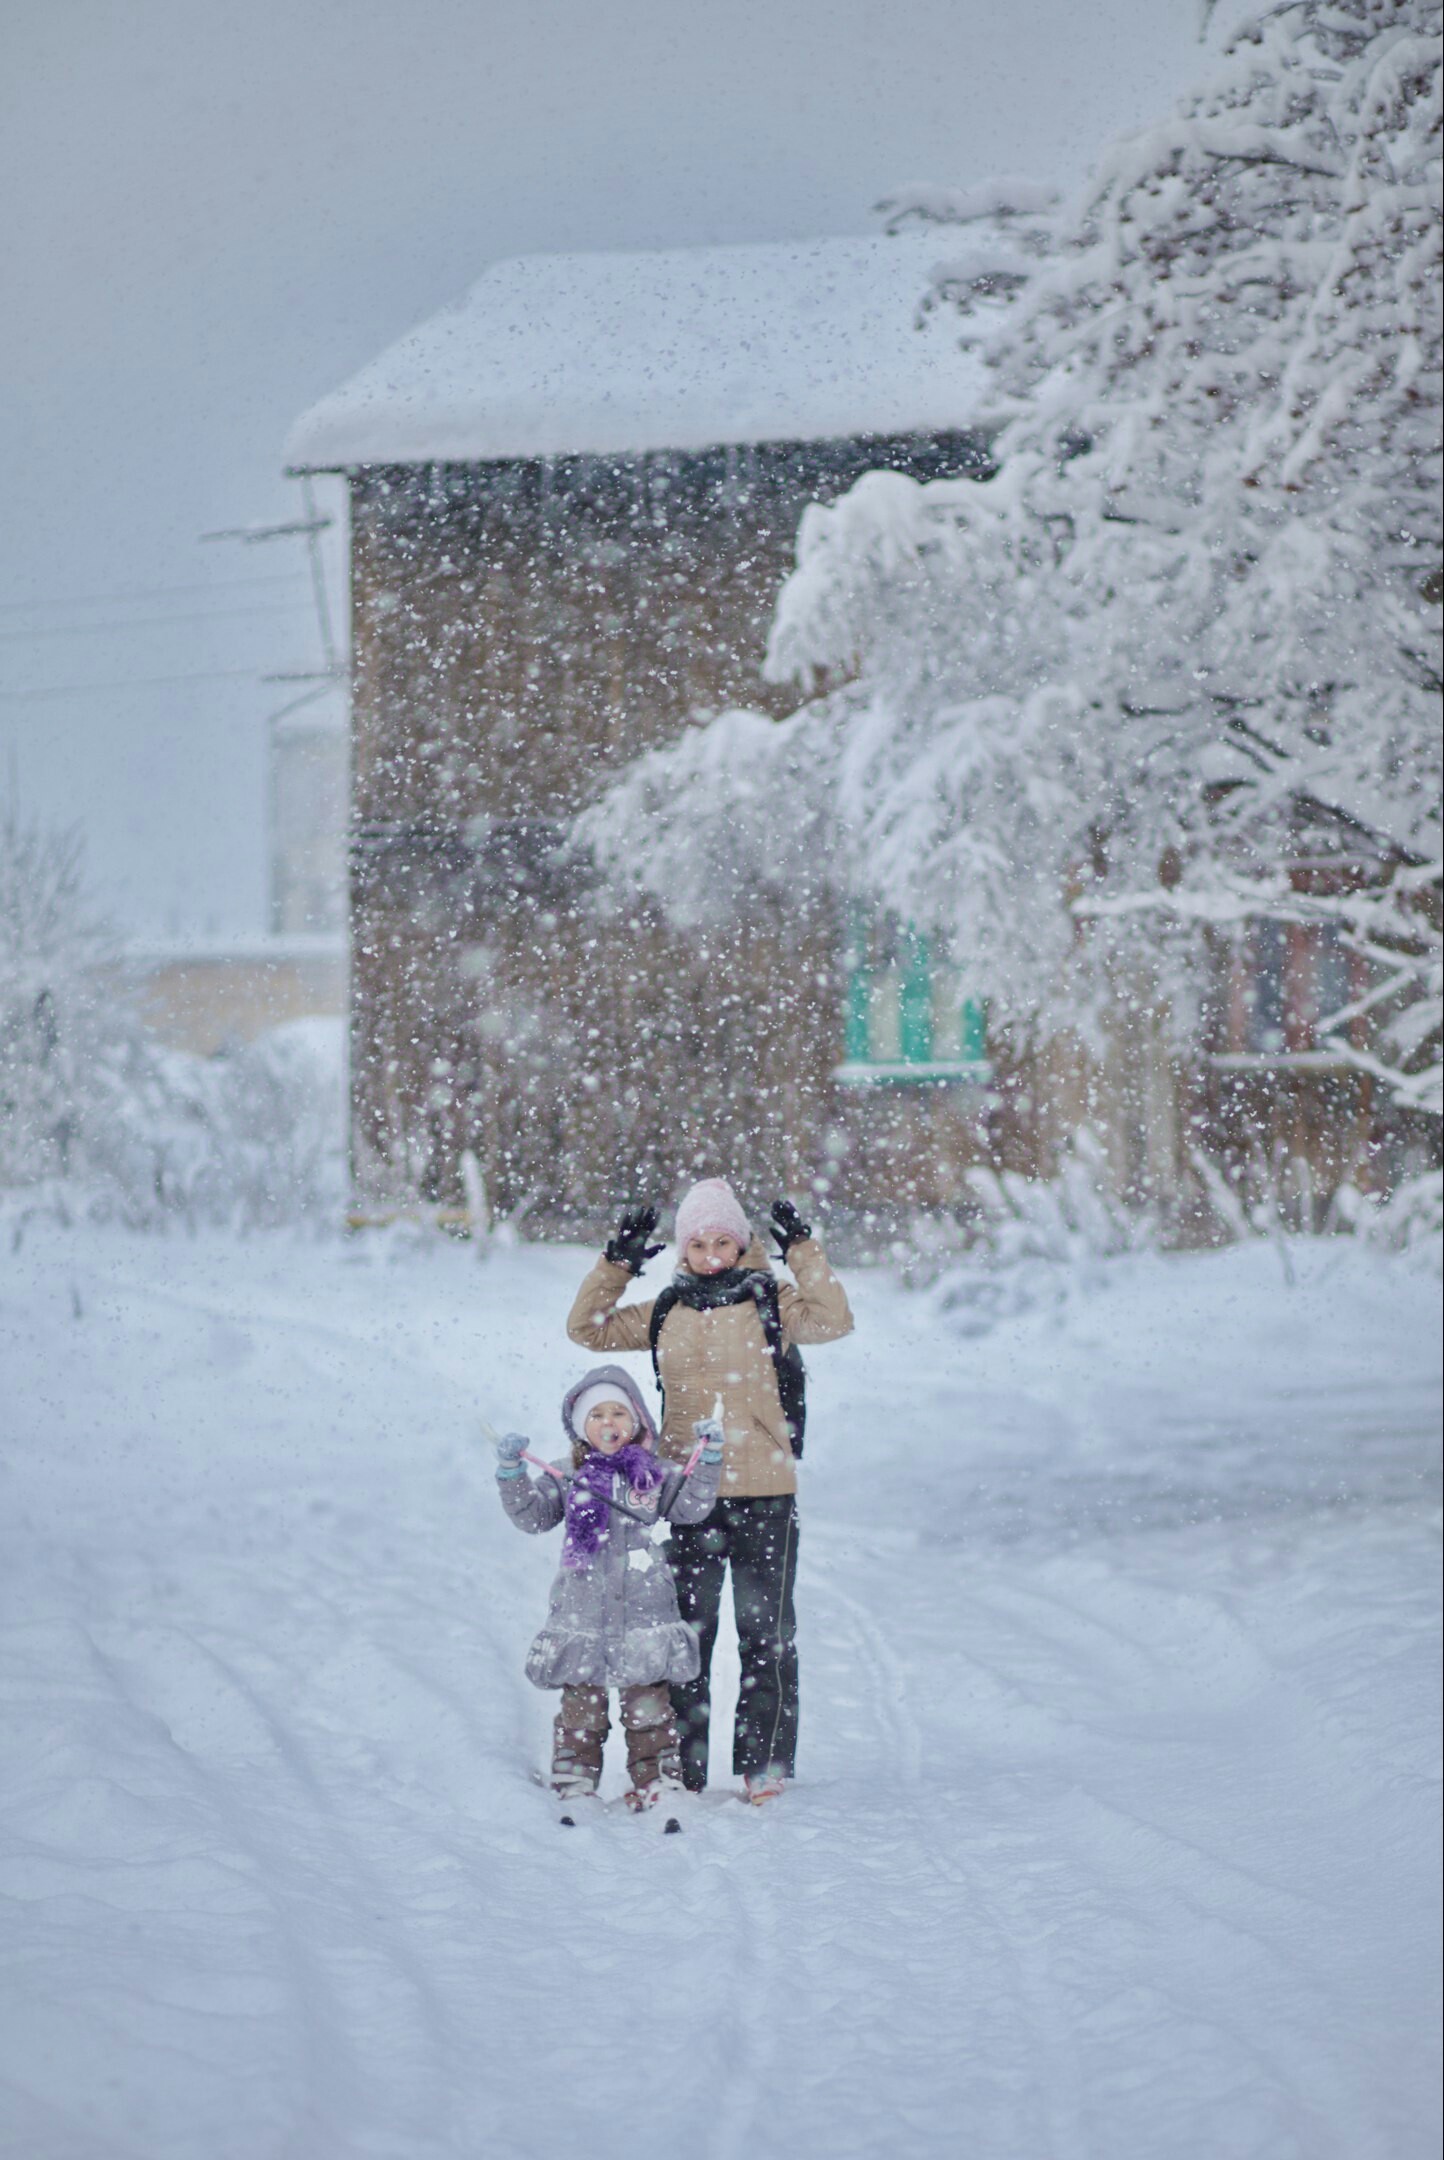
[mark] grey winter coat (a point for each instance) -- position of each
(614, 1623)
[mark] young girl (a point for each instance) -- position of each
(714, 1341)
(613, 1620)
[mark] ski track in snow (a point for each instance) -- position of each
(1113, 1834)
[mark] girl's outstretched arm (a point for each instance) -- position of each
(531, 1506)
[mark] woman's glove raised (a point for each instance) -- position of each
(787, 1226)
(628, 1246)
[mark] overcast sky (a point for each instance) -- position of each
(211, 211)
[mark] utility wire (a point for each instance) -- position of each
(135, 682)
(157, 622)
(331, 672)
(154, 592)
(307, 697)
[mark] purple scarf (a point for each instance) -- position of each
(589, 1516)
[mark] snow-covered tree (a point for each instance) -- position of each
(65, 1047)
(1195, 612)
(96, 1114)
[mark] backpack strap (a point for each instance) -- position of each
(661, 1306)
(786, 1360)
(769, 1312)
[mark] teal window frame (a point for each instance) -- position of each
(910, 980)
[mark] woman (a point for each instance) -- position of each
(724, 1330)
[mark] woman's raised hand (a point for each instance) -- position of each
(787, 1226)
(628, 1245)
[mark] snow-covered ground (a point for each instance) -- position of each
(1114, 1829)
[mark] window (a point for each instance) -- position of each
(1333, 976)
(1265, 993)
(908, 1016)
(1285, 982)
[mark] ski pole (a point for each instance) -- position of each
(489, 1434)
(696, 1455)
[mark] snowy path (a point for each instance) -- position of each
(1114, 1830)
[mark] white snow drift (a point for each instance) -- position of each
(1114, 1830)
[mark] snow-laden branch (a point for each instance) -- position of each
(1393, 927)
(1002, 199)
(1195, 611)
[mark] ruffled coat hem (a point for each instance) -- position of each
(560, 1658)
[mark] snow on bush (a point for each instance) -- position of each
(1024, 1243)
(97, 1117)
(67, 1053)
(252, 1137)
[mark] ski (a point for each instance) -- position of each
(586, 1808)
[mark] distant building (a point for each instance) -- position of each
(308, 815)
(208, 995)
(573, 501)
(211, 995)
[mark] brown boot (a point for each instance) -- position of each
(579, 1735)
(653, 1755)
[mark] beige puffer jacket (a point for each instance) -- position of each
(722, 1352)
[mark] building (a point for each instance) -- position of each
(573, 499)
(209, 995)
(307, 818)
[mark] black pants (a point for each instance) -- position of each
(759, 1537)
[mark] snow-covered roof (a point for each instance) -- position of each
(682, 349)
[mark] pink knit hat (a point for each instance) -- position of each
(709, 1209)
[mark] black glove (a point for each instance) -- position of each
(787, 1226)
(629, 1246)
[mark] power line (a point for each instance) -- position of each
(156, 622)
(309, 528)
(307, 697)
(291, 530)
(314, 529)
(136, 682)
(155, 592)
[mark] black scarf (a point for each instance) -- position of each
(730, 1286)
